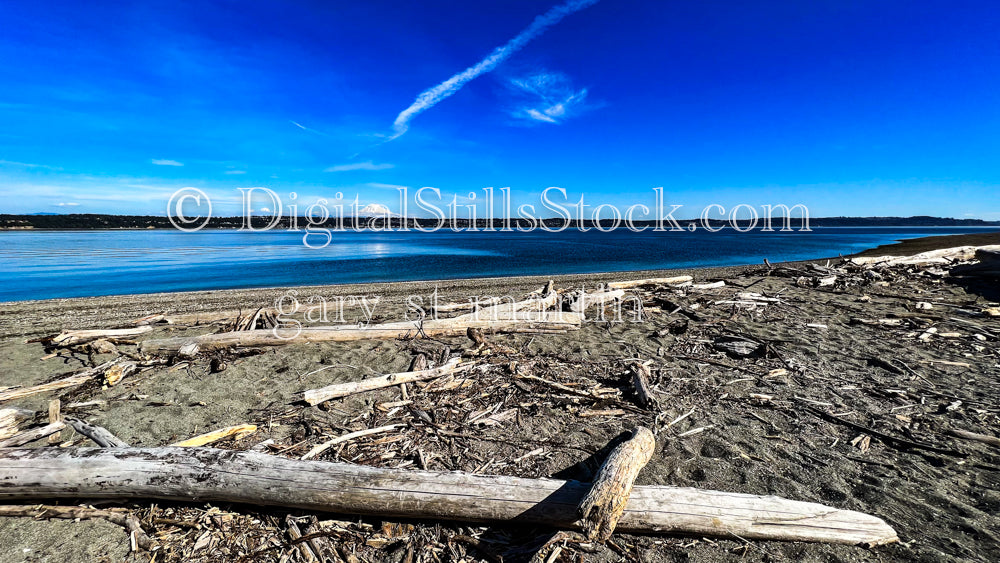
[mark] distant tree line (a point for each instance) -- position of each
(89, 221)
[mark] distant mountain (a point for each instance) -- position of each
(89, 221)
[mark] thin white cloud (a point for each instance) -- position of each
(431, 97)
(309, 129)
(546, 97)
(166, 162)
(236, 171)
(27, 165)
(367, 165)
(66, 204)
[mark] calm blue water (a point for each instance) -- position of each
(44, 265)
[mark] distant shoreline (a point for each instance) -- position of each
(105, 222)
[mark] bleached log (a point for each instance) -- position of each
(708, 285)
(586, 300)
(323, 394)
(540, 322)
(605, 502)
(939, 256)
(72, 337)
(211, 475)
(71, 381)
(629, 284)
(29, 436)
(10, 417)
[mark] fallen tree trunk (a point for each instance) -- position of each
(206, 474)
(514, 322)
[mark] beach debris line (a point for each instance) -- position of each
(501, 322)
(254, 478)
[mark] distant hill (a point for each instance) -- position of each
(89, 221)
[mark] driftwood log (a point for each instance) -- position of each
(650, 281)
(530, 321)
(74, 337)
(31, 435)
(605, 502)
(100, 435)
(321, 395)
(206, 474)
(71, 381)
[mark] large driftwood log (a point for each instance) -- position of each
(206, 474)
(605, 502)
(513, 322)
(323, 394)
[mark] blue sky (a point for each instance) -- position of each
(848, 107)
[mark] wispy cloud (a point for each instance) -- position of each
(66, 204)
(27, 165)
(236, 171)
(367, 165)
(309, 129)
(166, 162)
(431, 97)
(546, 97)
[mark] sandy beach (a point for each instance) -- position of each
(859, 348)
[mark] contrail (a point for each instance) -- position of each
(430, 97)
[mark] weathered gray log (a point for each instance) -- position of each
(100, 435)
(207, 474)
(605, 502)
(513, 322)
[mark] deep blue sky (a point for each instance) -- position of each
(848, 107)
